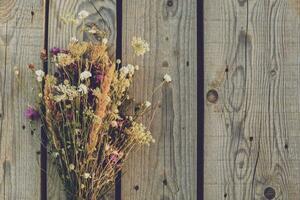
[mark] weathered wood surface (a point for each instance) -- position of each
(21, 39)
(166, 170)
(59, 36)
(251, 131)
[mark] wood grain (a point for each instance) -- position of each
(21, 39)
(59, 36)
(167, 169)
(251, 59)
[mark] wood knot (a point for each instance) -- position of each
(273, 72)
(269, 193)
(136, 187)
(212, 96)
(170, 3)
(165, 64)
(242, 2)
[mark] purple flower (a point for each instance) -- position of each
(99, 78)
(55, 50)
(32, 114)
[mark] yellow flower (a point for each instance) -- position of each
(64, 59)
(77, 49)
(140, 46)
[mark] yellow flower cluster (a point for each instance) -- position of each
(139, 133)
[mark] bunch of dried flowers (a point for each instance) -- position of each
(84, 107)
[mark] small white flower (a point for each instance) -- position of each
(40, 95)
(82, 89)
(71, 167)
(86, 175)
(130, 68)
(39, 75)
(167, 78)
(83, 14)
(124, 70)
(147, 104)
(55, 154)
(136, 67)
(85, 75)
(73, 40)
(17, 72)
(92, 31)
(82, 186)
(114, 124)
(104, 40)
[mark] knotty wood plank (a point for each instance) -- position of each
(251, 132)
(166, 170)
(21, 39)
(59, 36)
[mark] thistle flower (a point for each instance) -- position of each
(55, 50)
(32, 113)
(140, 46)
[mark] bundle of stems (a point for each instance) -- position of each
(91, 122)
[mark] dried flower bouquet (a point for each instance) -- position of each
(86, 112)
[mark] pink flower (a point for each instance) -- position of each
(31, 113)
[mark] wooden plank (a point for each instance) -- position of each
(166, 170)
(21, 39)
(59, 36)
(251, 60)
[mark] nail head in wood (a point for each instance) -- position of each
(270, 193)
(165, 182)
(212, 96)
